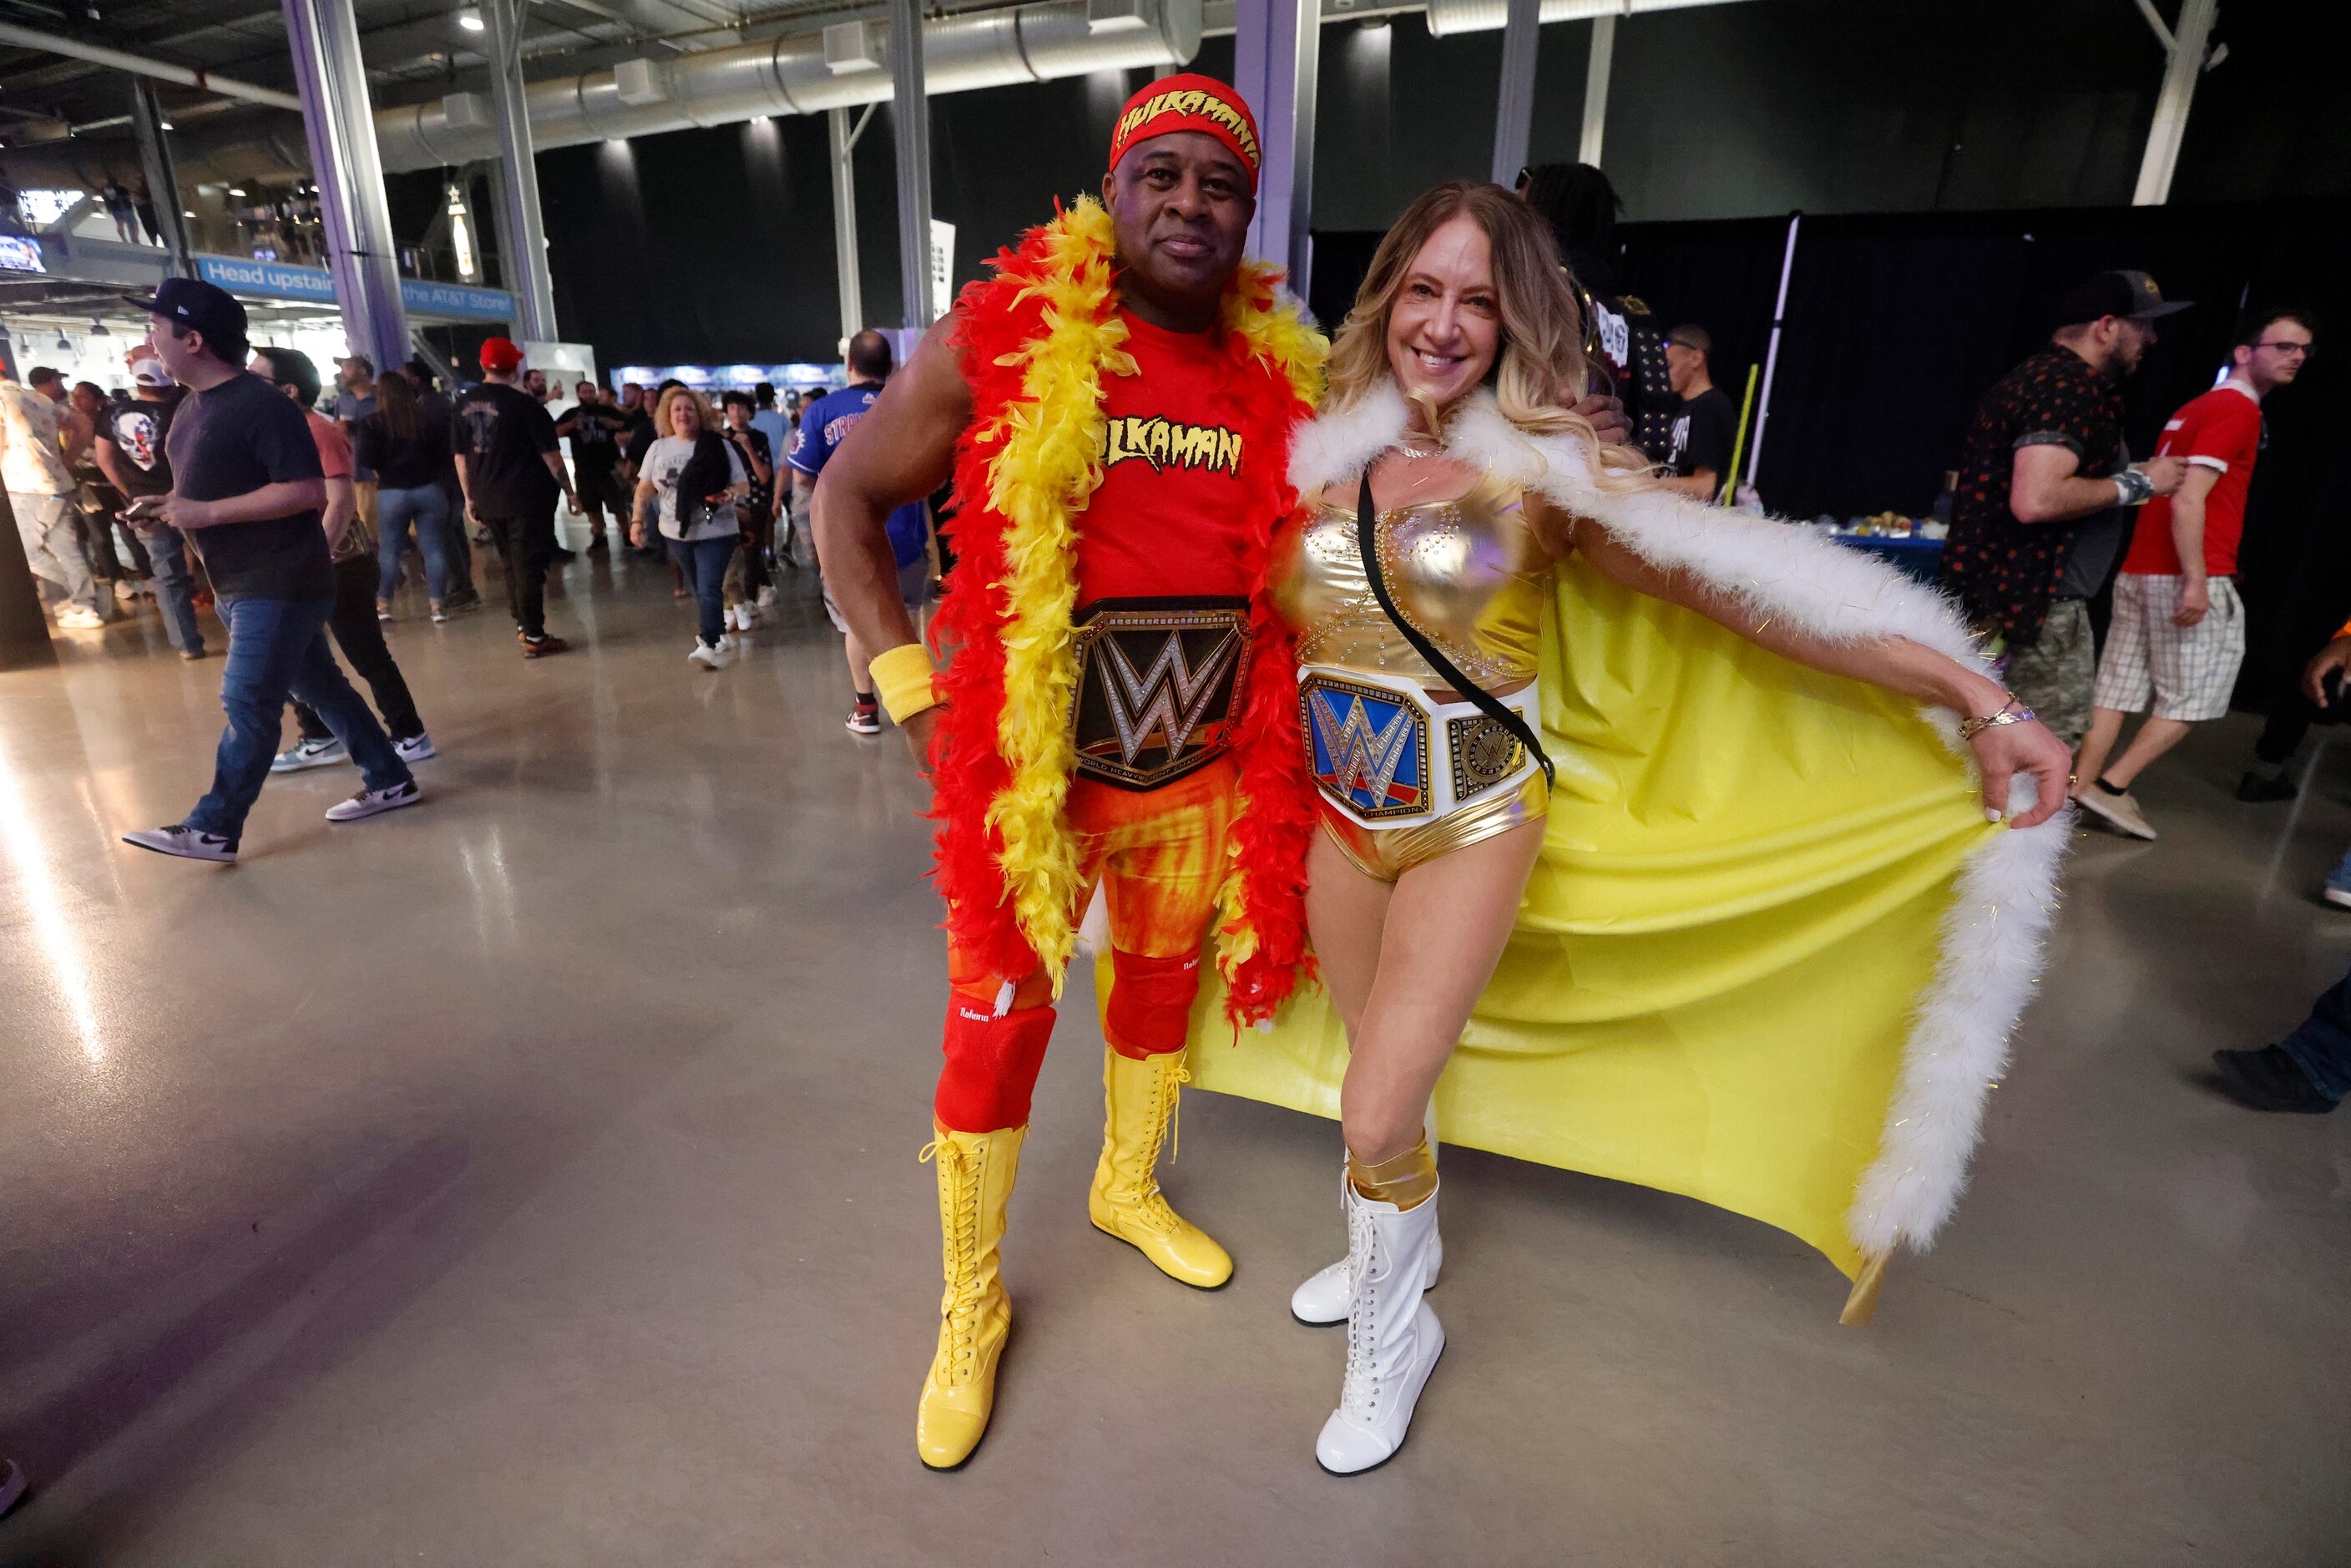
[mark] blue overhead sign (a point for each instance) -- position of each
(277, 280)
(462, 300)
(269, 279)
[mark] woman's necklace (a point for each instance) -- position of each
(1413, 444)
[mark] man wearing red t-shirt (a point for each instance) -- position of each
(2178, 630)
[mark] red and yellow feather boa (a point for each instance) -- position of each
(1035, 342)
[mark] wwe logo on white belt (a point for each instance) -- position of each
(1362, 757)
(1170, 696)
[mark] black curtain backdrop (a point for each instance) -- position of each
(1898, 323)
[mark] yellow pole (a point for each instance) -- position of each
(1729, 496)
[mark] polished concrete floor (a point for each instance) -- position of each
(530, 1178)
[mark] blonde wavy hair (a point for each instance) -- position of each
(1539, 371)
(702, 409)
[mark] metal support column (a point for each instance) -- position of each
(910, 125)
(526, 256)
(845, 219)
(163, 180)
(2185, 43)
(1277, 54)
(1596, 88)
(1514, 106)
(343, 161)
(1772, 356)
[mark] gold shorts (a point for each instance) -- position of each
(1384, 854)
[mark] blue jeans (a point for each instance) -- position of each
(167, 551)
(278, 648)
(2321, 1044)
(704, 561)
(428, 507)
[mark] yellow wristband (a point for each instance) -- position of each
(902, 679)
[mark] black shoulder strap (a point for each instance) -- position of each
(1367, 543)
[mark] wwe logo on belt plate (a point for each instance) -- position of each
(1155, 692)
(1370, 746)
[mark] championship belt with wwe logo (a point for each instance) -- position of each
(1157, 680)
(1369, 746)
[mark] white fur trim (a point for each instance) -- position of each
(1992, 952)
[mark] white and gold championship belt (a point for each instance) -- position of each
(1389, 756)
(1157, 679)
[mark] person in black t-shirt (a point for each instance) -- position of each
(594, 428)
(130, 450)
(248, 485)
(511, 468)
(1698, 457)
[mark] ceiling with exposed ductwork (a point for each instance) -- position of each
(416, 50)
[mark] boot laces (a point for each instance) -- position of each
(1166, 1104)
(959, 1217)
(1360, 1395)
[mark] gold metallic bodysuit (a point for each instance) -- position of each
(1404, 781)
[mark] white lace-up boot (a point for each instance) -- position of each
(1393, 1339)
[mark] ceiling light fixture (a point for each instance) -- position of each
(65, 344)
(237, 190)
(97, 329)
(164, 124)
(471, 21)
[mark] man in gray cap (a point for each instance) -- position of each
(2045, 495)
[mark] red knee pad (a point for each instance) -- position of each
(991, 1067)
(1150, 1003)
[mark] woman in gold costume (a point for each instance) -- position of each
(1491, 511)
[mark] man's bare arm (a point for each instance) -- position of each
(2046, 486)
(900, 451)
(110, 463)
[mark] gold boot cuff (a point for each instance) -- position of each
(1408, 1181)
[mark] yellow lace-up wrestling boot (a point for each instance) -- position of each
(976, 1177)
(1125, 1200)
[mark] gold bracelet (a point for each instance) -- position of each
(2010, 712)
(902, 679)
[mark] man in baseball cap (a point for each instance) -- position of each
(191, 306)
(2046, 495)
(510, 466)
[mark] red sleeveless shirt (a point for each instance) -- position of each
(1170, 519)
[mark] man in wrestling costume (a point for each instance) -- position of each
(1115, 408)
(1118, 708)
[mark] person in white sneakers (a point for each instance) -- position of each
(248, 491)
(2179, 632)
(693, 478)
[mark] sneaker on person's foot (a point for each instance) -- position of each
(2118, 812)
(597, 546)
(2337, 893)
(188, 843)
(2267, 1079)
(865, 718)
(540, 647)
(439, 615)
(12, 1484)
(2257, 787)
(559, 553)
(374, 802)
(74, 618)
(711, 655)
(192, 654)
(309, 754)
(383, 611)
(417, 747)
(125, 590)
(766, 596)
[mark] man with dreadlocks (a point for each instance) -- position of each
(1114, 407)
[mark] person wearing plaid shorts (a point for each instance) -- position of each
(2178, 630)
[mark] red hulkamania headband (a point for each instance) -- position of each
(1189, 102)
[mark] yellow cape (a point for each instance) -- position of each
(1761, 959)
